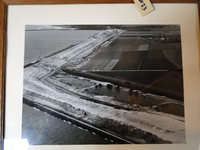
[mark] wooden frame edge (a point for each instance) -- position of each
(3, 37)
(3, 24)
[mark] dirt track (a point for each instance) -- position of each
(43, 85)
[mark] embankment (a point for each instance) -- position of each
(128, 84)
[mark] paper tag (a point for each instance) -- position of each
(144, 6)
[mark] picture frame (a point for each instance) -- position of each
(4, 4)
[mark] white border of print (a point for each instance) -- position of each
(184, 14)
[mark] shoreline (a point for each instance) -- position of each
(44, 88)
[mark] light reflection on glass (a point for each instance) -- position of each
(16, 144)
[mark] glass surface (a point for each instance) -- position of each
(189, 42)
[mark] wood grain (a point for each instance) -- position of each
(3, 24)
(3, 17)
(25, 2)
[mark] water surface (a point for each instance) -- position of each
(40, 128)
(43, 42)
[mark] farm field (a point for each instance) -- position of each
(121, 83)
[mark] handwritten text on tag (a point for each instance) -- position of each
(144, 6)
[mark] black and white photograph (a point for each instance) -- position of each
(103, 84)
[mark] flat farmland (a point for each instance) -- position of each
(143, 59)
(122, 83)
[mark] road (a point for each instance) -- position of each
(46, 85)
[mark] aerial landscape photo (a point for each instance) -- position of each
(103, 84)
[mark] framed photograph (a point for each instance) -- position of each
(98, 75)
